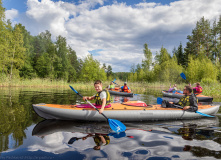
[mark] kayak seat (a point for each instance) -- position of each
(136, 104)
(89, 106)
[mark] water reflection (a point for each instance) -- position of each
(141, 140)
(189, 139)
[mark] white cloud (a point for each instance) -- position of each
(119, 30)
(11, 14)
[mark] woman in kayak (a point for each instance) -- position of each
(111, 86)
(102, 97)
(198, 89)
(174, 88)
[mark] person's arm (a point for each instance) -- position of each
(103, 105)
(193, 105)
(102, 139)
(88, 98)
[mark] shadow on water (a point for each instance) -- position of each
(24, 135)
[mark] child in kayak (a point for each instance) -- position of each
(101, 98)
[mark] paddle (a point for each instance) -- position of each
(160, 100)
(115, 125)
(184, 77)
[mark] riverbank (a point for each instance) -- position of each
(137, 87)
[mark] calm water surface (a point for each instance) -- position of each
(24, 135)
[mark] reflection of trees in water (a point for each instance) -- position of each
(16, 113)
(202, 152)
(192, 132)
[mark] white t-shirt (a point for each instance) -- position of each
(102, 95)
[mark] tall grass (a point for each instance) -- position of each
(212, 89)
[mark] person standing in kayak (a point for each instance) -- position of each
(124, 88)
(101, 98)
(188, 101)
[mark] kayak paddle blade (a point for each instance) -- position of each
(183, 75)
(203, 114)
(159, 100)
(73, 89)
(114, 80)
(116, 125)
(118, 135)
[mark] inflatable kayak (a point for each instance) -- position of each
(200, 97)
(127, 111)
(117, 92)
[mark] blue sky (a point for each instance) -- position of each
(114, 31)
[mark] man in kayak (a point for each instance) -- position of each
(187, 102)
(102, 97)
(124, 88)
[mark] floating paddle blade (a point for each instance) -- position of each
(159, 100)
(183, 75)
(203, 114)
(73, 89)
(116, 125)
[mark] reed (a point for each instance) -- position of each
(137, 87)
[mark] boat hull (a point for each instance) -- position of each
(120, 112)
(201, 98)
(121, 93)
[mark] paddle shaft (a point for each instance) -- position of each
(91, 104)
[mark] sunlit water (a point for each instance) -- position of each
(24, 135)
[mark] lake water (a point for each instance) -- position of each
(25, 135)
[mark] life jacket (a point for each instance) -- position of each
(198, 90)
(185, 101)
(125, 89)
(97, 140)
(112, 86)
(98, 100)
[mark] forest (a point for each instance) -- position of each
(24, 56)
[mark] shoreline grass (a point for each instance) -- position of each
(137, 87)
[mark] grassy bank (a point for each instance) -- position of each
(137, 87)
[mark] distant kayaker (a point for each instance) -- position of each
(124, 88)
(174, 88)
(198, 89)
(111, 86)
(102, 97)
(188, 101)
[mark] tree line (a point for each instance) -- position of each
(199, 60)
(24, 56)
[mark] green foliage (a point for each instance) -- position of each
(146, 63)
(200, 68)
(208, 81)
(91, 70)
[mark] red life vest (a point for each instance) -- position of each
(125, 89)
(200, 89)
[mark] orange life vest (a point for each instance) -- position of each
(125, 89)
